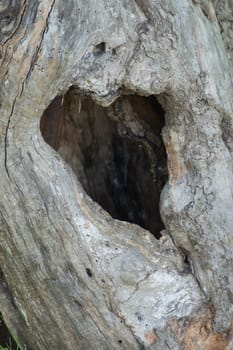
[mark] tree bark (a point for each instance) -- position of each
(72, 277)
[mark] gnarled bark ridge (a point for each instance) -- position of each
(72, 277)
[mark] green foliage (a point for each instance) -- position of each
(10, 346)
(11, 343)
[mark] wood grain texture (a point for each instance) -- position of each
(71, 276)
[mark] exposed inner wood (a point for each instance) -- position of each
(116, 152)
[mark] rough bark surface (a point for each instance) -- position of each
(72, 277)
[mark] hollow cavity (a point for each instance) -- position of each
(117, 152)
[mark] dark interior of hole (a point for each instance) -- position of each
(116, 152)
(99, 49)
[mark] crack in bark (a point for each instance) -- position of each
(123, 320)
(31, 66)
(6, 136)
(192, 272)
(13, 105)
(20, 21)
(191, 269)
(10, 37)
(137, 286)
(35, 56)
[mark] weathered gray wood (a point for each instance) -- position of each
(71, 276)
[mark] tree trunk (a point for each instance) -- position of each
(107, 241)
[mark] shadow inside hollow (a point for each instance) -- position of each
(117, 152)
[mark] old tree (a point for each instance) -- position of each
(116, 164)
